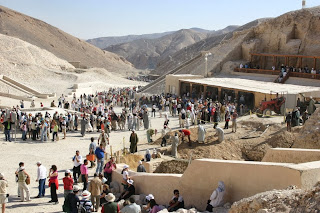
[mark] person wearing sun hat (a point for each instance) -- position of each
(130, 190)
(110, 206)
(85, 203)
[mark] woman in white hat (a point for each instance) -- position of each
(110, 206)
(125, 175)
(85, 203)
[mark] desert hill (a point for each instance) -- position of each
(59, 43)
(146, 53)
(44, 72)
(104, 42)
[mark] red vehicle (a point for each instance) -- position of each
(276, 105)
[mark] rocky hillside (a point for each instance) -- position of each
(59, 43)
(104, 42)
(292, 33)
(147, 53)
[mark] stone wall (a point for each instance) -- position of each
(286, 155)
(242, 179)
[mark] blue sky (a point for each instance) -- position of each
(98, 18)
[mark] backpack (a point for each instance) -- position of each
(183, 116)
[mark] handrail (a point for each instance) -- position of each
(276, 72)
(173, 71)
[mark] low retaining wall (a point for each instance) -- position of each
(242, 179)
(289, 155)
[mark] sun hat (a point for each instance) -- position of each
(149, 197)
(75, 188)
(39, 163)
(86, 194)
(1, 175)
(130, 182)
(125, 166)
(110, 197)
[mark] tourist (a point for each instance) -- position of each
(133, 142)
(130, 190)
(216, 198)
(176, 202)
(154, 206)
(201, 133)
(288, 121)
(227, 119)
(22, 177)
(77, 161)
(44, 127)
(7, 129)
(92, 149)
(71, 202)
(148, 198)
(3, 192)
(132, 207)
(41, 178)
(100, 158)
(84, 174)
(55, 130)
(185, 132)
(108, 169)
(53, 184)
(85, 204)
(64, 127)
(103, 139)
(24, 130)
(83, 124)
(234, 121)
(95, 188)
(105, 191)
(110, 206)
(67, 183)
(141, 167)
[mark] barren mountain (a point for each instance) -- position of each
(56, 41)
(104, 42)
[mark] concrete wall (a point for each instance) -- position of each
(286, 155)
(242, 179)
(173, 81)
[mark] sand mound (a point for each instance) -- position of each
(132, 160)
(173, 166)
(290, 200)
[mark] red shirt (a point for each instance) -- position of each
(186, 132)
(67, 183)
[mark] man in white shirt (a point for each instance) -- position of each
(77, 161)
(41, 177)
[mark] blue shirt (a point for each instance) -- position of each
(99, 153)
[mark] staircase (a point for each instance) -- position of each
(283, 80)
(174, 71)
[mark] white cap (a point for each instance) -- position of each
(39, 162)
(140, 162)
(68, 171)
(1, 175)
(76, 188)
(125, 166)
(130, 181)
(149, 197)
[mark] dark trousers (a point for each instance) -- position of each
(54, 134)
(76, 170)
(53, 191)
(34, 134)
(226, 126)
(109, 177)
(7, 134)
(42, 187)
(85, 183)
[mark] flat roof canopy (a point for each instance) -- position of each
(253, 85)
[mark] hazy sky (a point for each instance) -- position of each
(98, 18)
